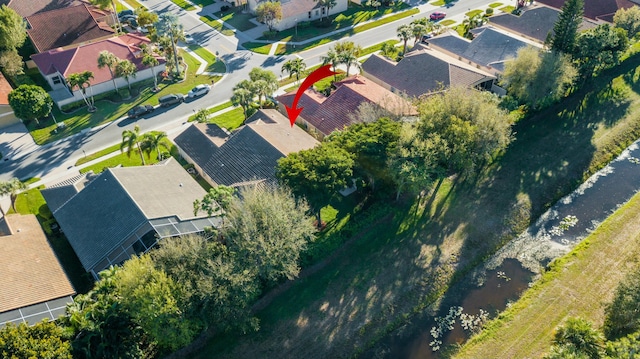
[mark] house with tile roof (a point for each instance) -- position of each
(322, 115)
(34, 284)
(7, 117)
(489, 49)
(246, 156)
(67, 26)
(57, 64)
(27, 8)
(425, 71)
(598, 10)
(297, 11)
(125, 211)
(535, 22)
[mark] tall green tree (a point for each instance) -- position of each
(217, 289)
(389, 50)
(30, 102)
(599, 48)
(537, 78)
(243, 94)
(332, 58)
(153, 141)
(565, 30)
(82, 80)
(628, 19)
(104, 4)
(316, 174)
(130, 140)
(294, 67)
(621, 315)
(404, 32)
(109, 60)
(270, 13)
(126, 69)
(267, 231)
(11, 63)
(42, 340)
(170, 26)
(578, 336)
(13, 29)
(216, 201)
(418, 30)
(11, 188)
(151, 62)
(146, 18)
(264, 82)
(347, 53)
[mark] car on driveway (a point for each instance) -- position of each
(171, 99)
(127, 12)
(437, 16)
(140, 110)
(188, 39)
(198, 91)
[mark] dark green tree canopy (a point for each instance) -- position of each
(599, 48)
(30, 102)
(43, 340)
(13, 29)
(565, 30)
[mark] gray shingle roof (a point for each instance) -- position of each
(489, 48)
(423, 71)
(112, 206)
(99, 218)
(246, 155)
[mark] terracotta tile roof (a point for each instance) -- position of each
(67, 26)
(5, 88)
(85, 57)
(595, 9)
(30, 270)
(423, 71)
(328, 114)
(29, 7)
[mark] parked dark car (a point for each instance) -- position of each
(437, 15)
(124, 13)
(140, 110)
(171, 99)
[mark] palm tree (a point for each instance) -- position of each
(131, 139)
(243, 94)
(350, 58)
(333, 59)
(295, 66)
(418, 30)
(79, 80)
(103, 4)
(153, 141)
(150, 61)
(108, 60)
(388, 50)
(126, 69)
(326, 4)
(404, 33)
(171, 27)
(11, 188)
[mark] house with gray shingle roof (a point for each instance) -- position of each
(490, 47)
(602, 10)
(34, 284)
(297, 11)
(246, 156)
(126, 211)
(425, 71)
(535, 22)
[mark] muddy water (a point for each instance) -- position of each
(591, 203)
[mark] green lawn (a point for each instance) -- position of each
(213, 65)
(495, 5)
(229, 120)
(508, 9)
(437, 3)
(213, 110)
(405, 255)
(577, 285)
(98, 154)
(473, 13)
(184, 4)
(32, 202)
(257, 47)
(212, 22)
(376, 47)
(133, 3)
(238, 20)
(447, 22)
(203, 3)
(127, 161)
(109, 111)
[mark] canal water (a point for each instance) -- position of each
(507, 274)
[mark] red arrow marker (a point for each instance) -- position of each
(317, 75)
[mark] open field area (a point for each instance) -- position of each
(405, 255)
(578, 284)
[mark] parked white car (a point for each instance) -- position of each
(188, 39)
(198, 91)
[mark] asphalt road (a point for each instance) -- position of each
(58, 157)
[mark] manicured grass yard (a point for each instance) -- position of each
(405, 255)
(213, 110)
(184, 4)
(129, 161)
(229, 120)
(508, 9)
(98, 154)
(578, 284)
(495, 5)
(258, 47)
(203, 3)
(447, 22)
(108, 111)
(213, 64)
(473, 13)
(237, 19)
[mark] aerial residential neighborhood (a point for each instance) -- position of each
(319, 179)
